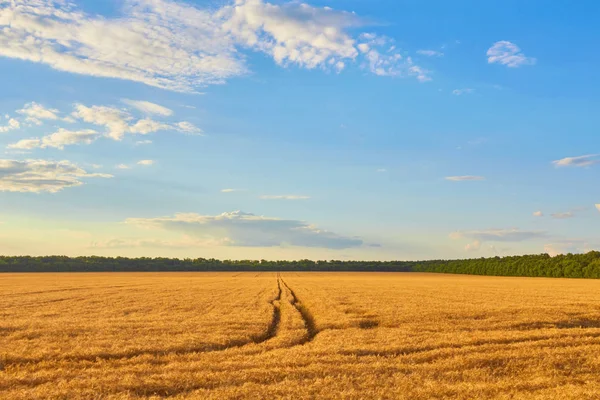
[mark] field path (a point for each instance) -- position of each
(307, 317)
(291, 325)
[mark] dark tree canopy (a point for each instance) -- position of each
(542, 265)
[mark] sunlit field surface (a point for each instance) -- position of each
(297, 335)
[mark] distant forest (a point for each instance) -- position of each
(567, 266)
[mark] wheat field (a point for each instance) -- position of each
(297, 335)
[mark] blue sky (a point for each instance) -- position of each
(336, 130)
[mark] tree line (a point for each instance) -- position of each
(145, 264)
(541, 265)
(562, 266)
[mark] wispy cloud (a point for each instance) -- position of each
(538, 214)
(149, 108)
(597, 207)
(430, 53)
(284, 197)
(574, 246)
(465, 178)
(579, 161)
(244, 229)
(181, 47)
(231, 190)
(563, 215)
(509, 54)
(459, 92)
(146, 163)
(183, 243)
(382, 58)
(58, 140)
(499, 235)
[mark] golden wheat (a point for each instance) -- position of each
(297, 335)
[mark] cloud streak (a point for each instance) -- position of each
(459, 92)
(430, 53)
(248, 230)
(462, 178)
(563, 215)
(499, 235)
(149, 108)
(58, 140)
(579, 161)
(284, 197)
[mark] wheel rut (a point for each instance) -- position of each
(277, 334)
(307, 317)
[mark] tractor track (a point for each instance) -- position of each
(307, 317)
(271, 333)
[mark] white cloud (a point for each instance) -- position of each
(458, 92)
(231, 190)
(114, 120)
(118, 122)
(509, 54)
(597, 207)
(122, 166)
(498, 235)
(573, 246)
(11, 125)
(41, 175)
(563, 215)
(176, 46)
(580, 161)
(293, 33)
(142, 142)
(243, 229)
(145, 163)
(430, 53)
(25, 144)
(381, 58)
(187, 127)
(284, 197)
(476, 245)
(465, 178)
(59, 139)
(64, 137)
(156, 42)
(146, 126)
(36, 112)
(148, 107)
(538, 214)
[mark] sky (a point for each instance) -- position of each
(247, 129)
